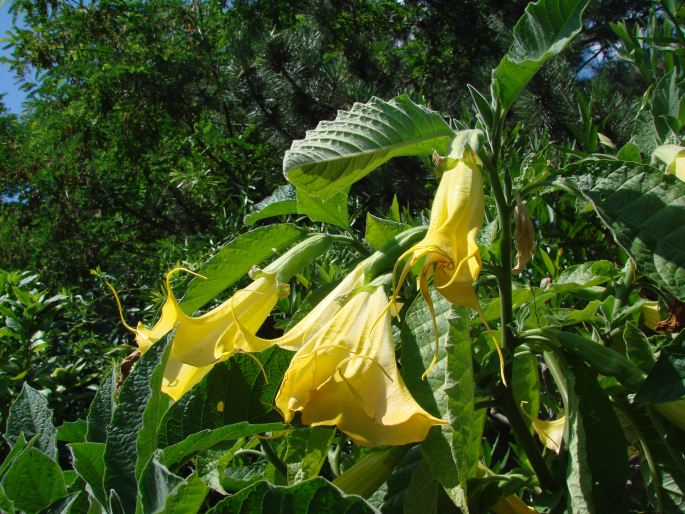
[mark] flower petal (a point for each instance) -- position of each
(315, 319)
(214, 336)
(346, 376)
(179, 378)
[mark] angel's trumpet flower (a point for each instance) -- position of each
(550, 433)
(449, 251)
(449, 248)
(346, 376)
(315, 319)
(201, 342)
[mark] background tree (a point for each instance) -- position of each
(152, 127)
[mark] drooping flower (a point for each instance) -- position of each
(550, 433)
(650, 314)
(449, 248)
(345, 375)
(201, 342)
(315, 319)
(449, 252)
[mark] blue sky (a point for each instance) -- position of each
(13, 97)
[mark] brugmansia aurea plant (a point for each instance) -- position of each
(483, 361)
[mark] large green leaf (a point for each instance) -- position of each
(72, 431)
(638, 349)
(389, 497)
(89, 463)
(595, 479)
(424, 493)
(17, 448)
(157, 405)
(161, 491)
(30, 415)
(288, 200)
(644, 209)
(306, 451)
(526, 384)
(33, 481)
(544, 30)
(316, 496)
(128, 436)
(448, 392)
(412, 489)
(666, 380)
(233, 392)
(662, 460)
(416, 354)
(380, 231)
(101, 408)
(235, 259)
(332, 210)
(75, 503)
(655, 119)
(338, 153)
(5, 503)
(214, 467)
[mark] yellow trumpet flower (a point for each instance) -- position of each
(315, 319)
(201, 342)
(345, 375)
(449, 248)
(146, 337)
(449, 251)
(551, 433)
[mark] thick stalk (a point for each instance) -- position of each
(525, 439)
(504, 279)
(504, 276)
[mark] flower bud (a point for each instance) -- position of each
(524, 236)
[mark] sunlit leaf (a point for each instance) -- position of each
(544, 30)
(338, 153)
(643, 208)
